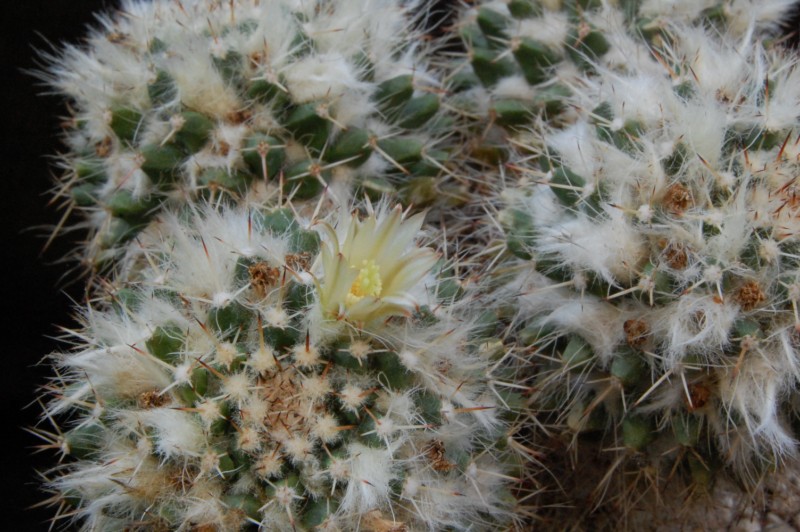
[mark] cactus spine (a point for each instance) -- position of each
(604, 288)
(175, 102)
(654, 232)
(244, 376)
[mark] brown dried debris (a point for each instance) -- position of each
(436, 454)
(263, 277)
(239, 117)
(103, 148)
(373, 521)
(677, 199)
(636, 332)
(223, 148)
(152, 399)
(750, 295)
(699, 394)
(676, 256)
(298, 261)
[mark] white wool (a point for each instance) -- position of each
(262, 359)
(321, 76)
(371, 472)
(177, 433)
(200, 267)
(685, 9)
(575, 146)
(628, 179)
(198, 81)
(741, 15)
(598, 323)
(514, 87)
(479, 489)
(642, 98)
(98, 483)
(315, 388)
(204, 505)
(353, 108)
(102, 77)
(118, 371)
(208, 411)
(353, 26)
(111, 364)
(754, 394)
(352, 397)
(325, 427)
(734, 231)
(237, 386)
(784, 353)
(470, 405)
(397, 405)
(551, 29)
(124, 172)
(543, 207)
(718, 67)
(224, 150)
(305, 356)
(701, 125)
(695, 324)
(783, 107)
(299, 448)
(410, 360)
(276, 317)
(203, 256)
(612, 247)
(627, 53)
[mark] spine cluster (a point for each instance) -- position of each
(236, 378)
(177, 103)
(538, 270)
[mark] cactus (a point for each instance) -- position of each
(250, 375)
(174, 102)
(656, 231)
(526, 58)
(611, 301)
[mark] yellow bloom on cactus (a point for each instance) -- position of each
(369, 270)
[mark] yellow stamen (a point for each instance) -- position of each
(368, 282)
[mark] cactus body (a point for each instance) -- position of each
(252, 377)
(652, 225)
(175, 103)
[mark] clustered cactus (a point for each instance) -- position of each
(177, 102)
(603, 290)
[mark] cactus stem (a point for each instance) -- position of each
(374, 144)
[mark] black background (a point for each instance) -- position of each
(35, 293)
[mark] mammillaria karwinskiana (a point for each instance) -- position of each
(248, 374)
(657, 227)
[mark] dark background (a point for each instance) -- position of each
(34, 295)
(35, 291)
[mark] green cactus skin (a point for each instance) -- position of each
(524, 59)
(173, 103)
(222, 390)
(614, 179)
(659, 347)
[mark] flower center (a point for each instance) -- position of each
(368, 282)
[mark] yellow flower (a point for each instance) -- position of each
(369, 273)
